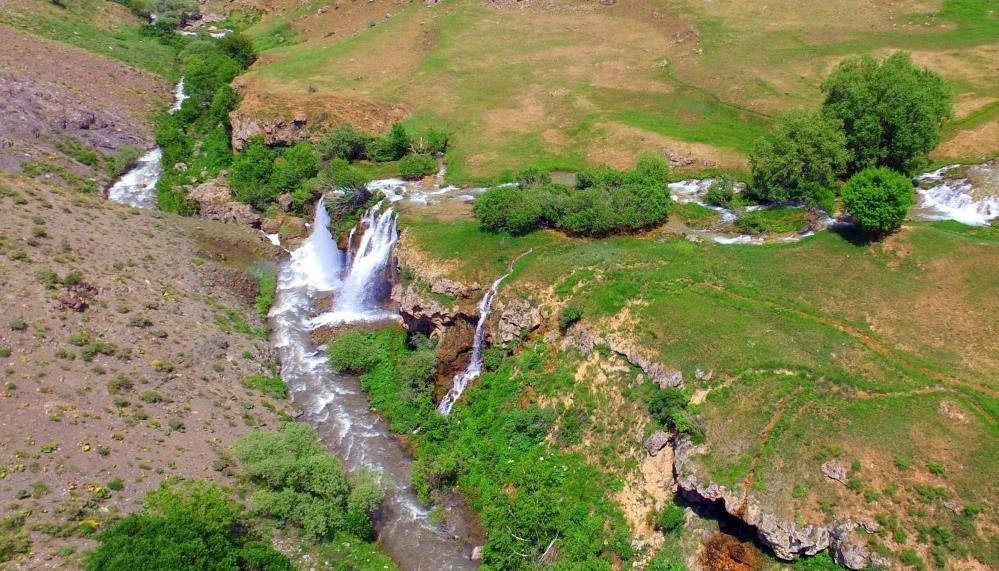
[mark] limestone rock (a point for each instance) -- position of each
(835, 470)
(656, 442)
(477, 553)
(274, 130)
(850, 550)
(515, 316)
(659, 373)
(215, 203)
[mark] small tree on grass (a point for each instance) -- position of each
(879, 199)
(804, 154)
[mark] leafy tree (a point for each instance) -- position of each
(294, 165)
(879, 199)
(392, 147)
(414, 167)
(239, 48)
(803, 153)
(891, 111)
(666, 404)
(251, 172)
(197, 527)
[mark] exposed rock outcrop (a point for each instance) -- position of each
(514, 316)
(453, 328)
(656, 442)
(274, 130)
(215, 203)
(849, 549)
(786, 538)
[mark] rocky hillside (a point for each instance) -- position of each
(130, 356)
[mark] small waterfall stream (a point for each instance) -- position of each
(474, 368)
(335, 403)
(137, 187)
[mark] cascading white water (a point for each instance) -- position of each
(337, 405)
(356, 295)
(137, 187)
(474, 368)
(955, 199)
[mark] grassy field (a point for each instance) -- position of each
(879, 355)
(562, 84)
(99, 26)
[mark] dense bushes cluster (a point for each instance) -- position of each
(195, 527)
(495, 450)
(300, 483)
(260, 174)
(876, 114)
(603, 202)
(195, 139)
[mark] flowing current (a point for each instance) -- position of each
(474, 368)
(137, 187)
(336, 404)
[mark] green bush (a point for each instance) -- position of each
(570, 314)
(666, 404)
(879, 199)
(722, 193)
(353, 352)
(272, 386)
(198, 528)
(670, 520)
(392, 147)
(891, 111)
(302, 484)
(803, 151)
(343, 142)
(607, 202)
(414, 167)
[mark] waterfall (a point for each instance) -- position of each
(474, 368)
(137, 187)
(337, 405)
(359, 293)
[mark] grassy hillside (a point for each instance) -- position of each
(560, 84)
(99, 26)
(878, 356)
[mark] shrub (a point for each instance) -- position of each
(18, 325)
(879, 199)
(670, 520)
(152, 396)
(116, 484)
(197, 528)
(666, 404)
(251, 172)
(608, 202)
(353, 352)
(570, 314)
(343, 142)
(533, 176)
(721, 193)
(413, 167)
(306, 486)
(120, 384)
(176, 424)
(272, 386)
(803, 152)
(122, 159)
(392, 147)
(890, 110)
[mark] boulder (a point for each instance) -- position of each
(215, 203)
(656, 442)
(515, 316)
(835, 470)
(275, 130)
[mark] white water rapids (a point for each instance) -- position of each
(960, 199)
(137, 187)
(336, 404)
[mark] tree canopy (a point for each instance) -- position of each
(879, 199)
(891, 110)
(803, 155)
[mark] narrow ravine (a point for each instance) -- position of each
(336, 404)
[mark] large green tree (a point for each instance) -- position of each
(801, 157)
(891, 110)
(879, 199)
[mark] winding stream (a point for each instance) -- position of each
(137, 187)
(336, 404)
